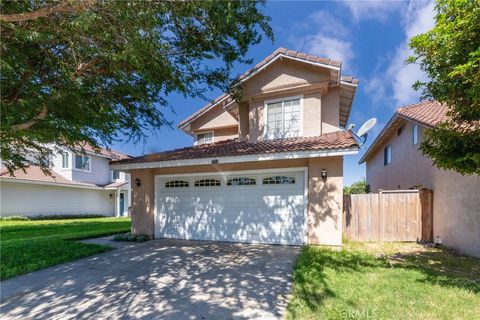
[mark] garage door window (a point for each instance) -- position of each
(242, 181)
(207, 183)
(279, 180)
(176, 184)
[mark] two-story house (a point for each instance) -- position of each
(394, 161)
(267, 168)
(79, 183)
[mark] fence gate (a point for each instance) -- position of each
(390, 215)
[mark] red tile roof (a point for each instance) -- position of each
(234, 147)
(108, 153)
(35, 173)
(428, 113)
(280, 51)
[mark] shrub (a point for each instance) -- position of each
(128, 236)
(52, 217)
(357, 187)
(14, 218)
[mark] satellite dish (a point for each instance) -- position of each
(351, 126)
(363, 131)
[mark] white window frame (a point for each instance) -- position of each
(113, 175)
(204, 132)
(65, 155)
(74, 162)
(386, 159)
(265, 113)
(415, 134)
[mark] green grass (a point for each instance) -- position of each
(26, 246)
(384, 281)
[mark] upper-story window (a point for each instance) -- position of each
(387, 155)
(283, 119)
(205, 137)
(415, 134)
(65, 160)
(115, 174)
(82, 162)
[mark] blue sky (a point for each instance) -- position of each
(370, 37)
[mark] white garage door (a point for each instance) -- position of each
(242, 206)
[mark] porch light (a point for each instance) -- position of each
(324, 175)
(138, 182)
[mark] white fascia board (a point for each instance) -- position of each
(237, 159)
(53, 184)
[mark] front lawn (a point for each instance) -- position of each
(26, 246)
(384, 281)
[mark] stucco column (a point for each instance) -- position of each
(325, 201)
(143, 202)
(244, 120)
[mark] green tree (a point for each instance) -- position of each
(357, 187)
(450, 56)
(75, 72)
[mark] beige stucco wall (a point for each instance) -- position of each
(215, 118)
(283, 74)
(456, 198)
(320, 113)
(325, 199)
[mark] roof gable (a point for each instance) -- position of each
(426, 113)
(333, 66)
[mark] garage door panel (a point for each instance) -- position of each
(251, 213)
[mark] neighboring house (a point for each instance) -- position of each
(395, 162)
(78, 184)
(266, 169)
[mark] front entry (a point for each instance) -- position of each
(122, 204)
(242, 206)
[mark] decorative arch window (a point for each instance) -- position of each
(207, 183)
(241, 181)
(177, 184)
(279, 180)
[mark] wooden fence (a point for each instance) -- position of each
(397, 215)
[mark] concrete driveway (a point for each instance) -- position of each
(160, 279)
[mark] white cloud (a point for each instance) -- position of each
(418, 19)
(329, 39)
(372, 9)
(331, 48)
(393, 83)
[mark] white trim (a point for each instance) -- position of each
(58, 184)
(349, 84)
(305, 226)
(74, 162)
(265, 113)
(203, 132)
(230, 173)
(238, 159)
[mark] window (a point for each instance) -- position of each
(65, 158)
(115, 174)
(415, 134)
(399, 131)
(82, 162)
(241, 182)
(387, 155)
(177, 184)
(279, 180)
(203, 138)
(207, 183)
(283, 119)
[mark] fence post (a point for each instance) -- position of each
(347, 216)
(426, 202)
